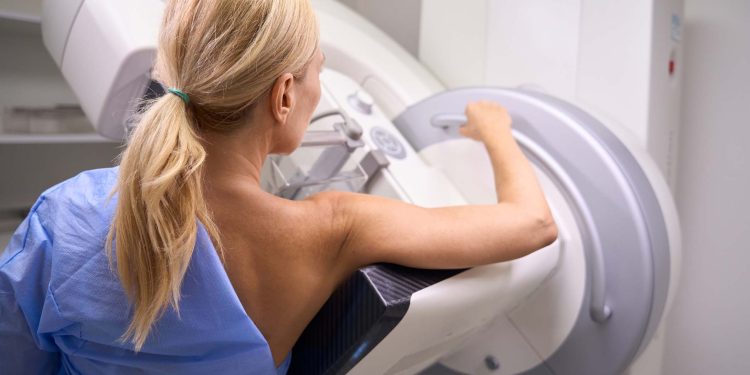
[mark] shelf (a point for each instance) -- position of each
(10, 17)
(52, 138)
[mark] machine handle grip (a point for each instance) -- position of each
(349, 127)
(599, 310)
(317, 138)
(446, 121)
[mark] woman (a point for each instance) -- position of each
(214, 274)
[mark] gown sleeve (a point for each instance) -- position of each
(24, 275)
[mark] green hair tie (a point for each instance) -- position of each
(185, 98)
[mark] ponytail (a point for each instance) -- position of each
(159, 205)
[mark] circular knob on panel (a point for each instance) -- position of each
(362, 102)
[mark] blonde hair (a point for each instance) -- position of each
(226, 55)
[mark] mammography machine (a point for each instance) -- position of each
(588, 304)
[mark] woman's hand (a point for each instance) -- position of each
(486, 120)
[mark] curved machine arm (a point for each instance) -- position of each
(106, 49)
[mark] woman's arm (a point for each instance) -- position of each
(375, 229)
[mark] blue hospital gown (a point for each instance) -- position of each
(62, 310)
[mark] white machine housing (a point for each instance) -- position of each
(106, 49)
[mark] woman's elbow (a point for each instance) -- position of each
(544, 230)
(547, 231)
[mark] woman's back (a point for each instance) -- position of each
(277, 257)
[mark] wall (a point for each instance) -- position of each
(708, 330)
(398, 18)
(13, 9)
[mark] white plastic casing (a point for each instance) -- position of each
(361, 51)
(108, 49)
(58, 16)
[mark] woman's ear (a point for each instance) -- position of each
(282, 98)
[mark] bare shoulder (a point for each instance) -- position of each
(326, 219)
(335, 215)
(338, 210)
(316, 220)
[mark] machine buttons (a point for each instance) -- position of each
(362, 102)
(388, 143)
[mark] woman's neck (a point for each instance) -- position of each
(237, 155)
